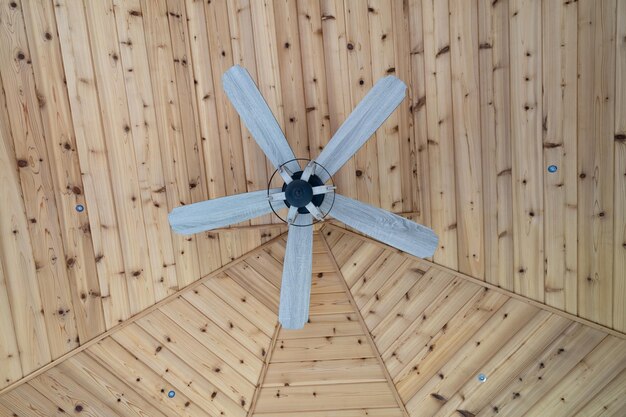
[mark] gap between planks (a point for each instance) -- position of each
(140, 315)
(485, 284)
(366, 330)
(266, 364)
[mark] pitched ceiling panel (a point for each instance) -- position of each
(455, 347)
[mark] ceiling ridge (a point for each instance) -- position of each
(366, 330)
(139, 315)
(485, 284)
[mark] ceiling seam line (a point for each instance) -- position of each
(490, 286)
(365, 329)
(137, 316)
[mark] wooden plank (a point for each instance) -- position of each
(427, 299)
(118, 138)
(560, 26)
(221, 58)
(327, 397)
(610, 400)
(343, 371)
(256, 284)
(106, 387)
(177, 372)
(244, 302)
(69, 394)
(228, 319)
(192, 140)
(291, 76)
(365, 412)
(206, 101)
(493, 51)
(90, 144)
(382, 34)
(321, 348)
(335, 35)
(402, 70)
(619, 201)
(546, 371)
(327, 325)
(417, 93)
(375, 277)
(360, 81)
(504, 367)
(314, 75)
(331, 303)
(36, 173)
(439, 123)
(390, 293)
(142, 121)
(195, 354)
(526, 122)
(27, 401)
(53, 101)
(268, 78)
(467, 141)
(142, 378)
(485, 343)
(356, 265)
(169, 124)
(596, 119)
(18, 266)
(10, 366)
(590, 376)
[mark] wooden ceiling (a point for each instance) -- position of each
(117, 106)
(389, 336)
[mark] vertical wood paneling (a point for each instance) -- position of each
(493, 51)
(596, 124)
(619, 197)
(336, 61)
(142, 117)
(314, 75)
(92, 153)
(467, 141)
(10, 365)
(525, 108)
(243, 45)
(120, 151)
(559, 60)
(382, 36)
(420, 172)
(177, 188)
(50, 78)
(36, 170)
(360, 82)
(439, 121)
(291, 77)
(185, 82)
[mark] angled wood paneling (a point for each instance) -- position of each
(211, 359)
(438, 332)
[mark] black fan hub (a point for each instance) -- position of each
(299, 193)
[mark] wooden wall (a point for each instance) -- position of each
(117, 105)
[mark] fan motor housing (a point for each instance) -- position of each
(299, 193)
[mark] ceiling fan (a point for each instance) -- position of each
(305, 190)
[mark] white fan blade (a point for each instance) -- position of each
(256, 114)
(387, 227)
(368, 115)
(295, 289)
(221, 212)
